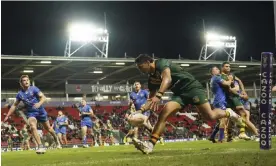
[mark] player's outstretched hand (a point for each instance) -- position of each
(146, 106)
(155, 103)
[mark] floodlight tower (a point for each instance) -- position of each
(215, 42)
(84, 34)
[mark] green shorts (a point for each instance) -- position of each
(193, 97)
(26, 138)
(109, 133)
(233, 102)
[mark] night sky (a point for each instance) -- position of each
(164, 28)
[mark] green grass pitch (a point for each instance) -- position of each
(198, 153)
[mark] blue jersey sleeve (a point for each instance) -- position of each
(18, 96)
(146, 93)
(88, 108)
(131, 96)
(218, 79)
(36, 90)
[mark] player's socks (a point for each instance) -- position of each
(221, 134)
(242, 126)
(84, 140)
(214, 133)
(227, 113)
(40, 146)
(154, 138)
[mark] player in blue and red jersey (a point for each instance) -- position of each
(217, 84)
(61, 124)
(86, 113)
(33, 99)
(139, 97)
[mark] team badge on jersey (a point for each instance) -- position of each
(196, 99)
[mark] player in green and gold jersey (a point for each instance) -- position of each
(164, 75)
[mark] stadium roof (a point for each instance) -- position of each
(79, 70)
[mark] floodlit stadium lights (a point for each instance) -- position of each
(120, 63)
(97, 72)
(185, 65)
(242, 66)
(28, 71)
(217, 37)
(216, 44)
(221, 44)
(48, 62)
(85, 32)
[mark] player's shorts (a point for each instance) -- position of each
(109, 133)
(220, 105)
(40, 114)
(26, 138)
(193, 96)
(87, 123)
(233, 102)
(61, 130)
(56, 130)
(97, 133)
(147, 113)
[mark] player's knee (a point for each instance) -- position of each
(32, 126)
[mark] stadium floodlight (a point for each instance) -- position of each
(242, 66)
(185, 64)
(87, 34)
(120, 63)
(47, 62)
(97, 72)
(215, 42)
(28, 71)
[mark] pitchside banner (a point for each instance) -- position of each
(97, 88)
(266, 100)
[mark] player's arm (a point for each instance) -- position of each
(89, 113)
(235, 90)
(166, 81)
(42, 98)
(240, 83)
(12, 109)
(226, 83)
(223, 82)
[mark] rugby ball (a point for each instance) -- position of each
(136, 119)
